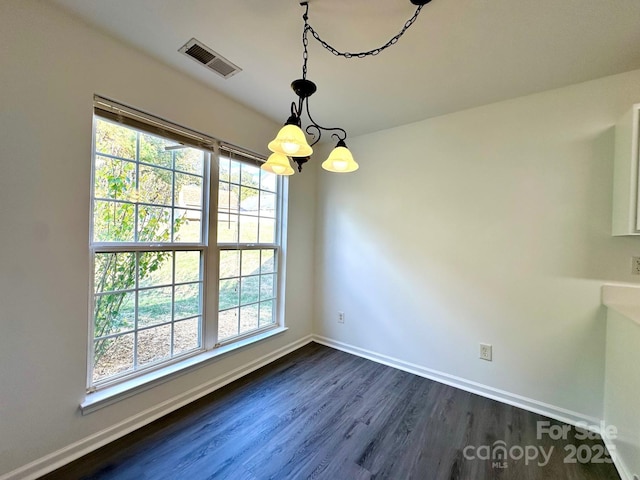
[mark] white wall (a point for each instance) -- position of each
(50, 67)
(488, 225)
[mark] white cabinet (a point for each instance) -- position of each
(626, 193)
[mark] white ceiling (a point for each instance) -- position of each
(459, 53)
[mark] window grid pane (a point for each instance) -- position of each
(247, 216)
(136, 328)
(144, 192)
(247, 291)
(147, 306)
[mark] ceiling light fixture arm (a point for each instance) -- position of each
(304, 89)
(375, 51)
(342, 135)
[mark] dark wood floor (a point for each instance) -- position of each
(319, 413)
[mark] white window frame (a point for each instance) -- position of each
(117, 386)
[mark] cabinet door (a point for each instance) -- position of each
(626, 180)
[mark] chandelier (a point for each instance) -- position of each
(291, 142)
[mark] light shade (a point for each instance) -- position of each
(291, 141)
(279, 164)
(340, 160)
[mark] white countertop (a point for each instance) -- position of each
(624, 299)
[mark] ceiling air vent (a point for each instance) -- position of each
(210, 59)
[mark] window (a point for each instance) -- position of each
(247, 240)
(150, 231)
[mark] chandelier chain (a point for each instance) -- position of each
(338, 53)
(305, 43)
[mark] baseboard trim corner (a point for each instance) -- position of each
(529, 404)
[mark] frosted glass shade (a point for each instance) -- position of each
(291, 141)
(277, 163)
(340, 161)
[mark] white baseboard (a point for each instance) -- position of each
(76, 450)
(621, 466)
(532, 405)
(65, 455)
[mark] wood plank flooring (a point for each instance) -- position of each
(319, 413)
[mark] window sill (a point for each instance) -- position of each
(110, 395)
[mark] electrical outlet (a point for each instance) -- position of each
(340, 317)
(635, 265)
(486, 352)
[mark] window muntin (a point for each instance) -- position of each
(148, 289)
(248, 238)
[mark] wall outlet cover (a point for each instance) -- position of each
(635, 265)
(486, 352)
